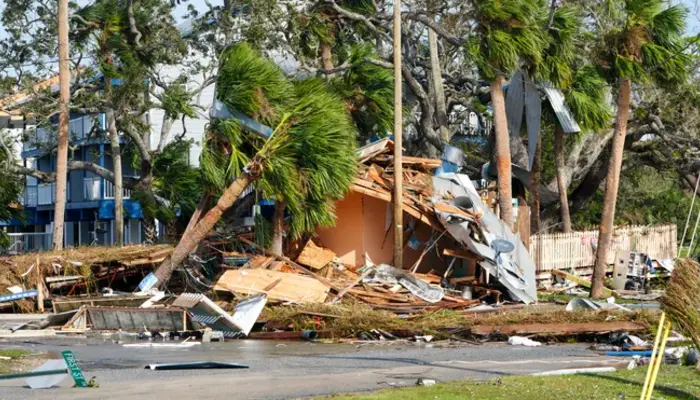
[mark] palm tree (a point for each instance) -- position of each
(62, 150)
(646, 45)
(586, 101)
(584, 95)
(505, 32)
(308, 161)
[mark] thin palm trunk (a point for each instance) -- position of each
(505, 193)
(438, 89)
(611, 186)
(149, 229)
(64, 98)
(561, 179)
(326, 57)
(117, 168)
(535, 180)
(189, 241)
(278, 229)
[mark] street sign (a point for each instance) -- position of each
(75, 371)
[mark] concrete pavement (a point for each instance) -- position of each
(291, 369)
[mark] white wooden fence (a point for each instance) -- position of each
(578, 249)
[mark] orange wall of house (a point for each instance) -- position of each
(374, 218)
(345, 238)
(361, 227)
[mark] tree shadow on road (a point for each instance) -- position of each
(410, 361)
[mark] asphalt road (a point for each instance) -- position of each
(287, 370)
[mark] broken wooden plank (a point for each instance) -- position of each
(583, 282)
(462, 253)
(353, 284)
(439, 206)
(293, 287)
(454, 281)
(315, 257)
(375, 173)
(558, 329)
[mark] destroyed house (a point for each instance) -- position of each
(449, 232)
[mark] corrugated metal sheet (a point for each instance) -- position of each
(128, 318)
(515, 97)
(533, 116)
(556, 99)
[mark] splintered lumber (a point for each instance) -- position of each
(462, 253)
(315, 257)
(292, 287)
(558, 329)
(353, 284)
(583, 282)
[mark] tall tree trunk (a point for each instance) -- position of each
(535, 182)
(189, 241)
(612, 182)
(197, 214)
(326, 57)
(64, 98)
(505, 192)
(561, 179)
(118, 178)
(278, 228)
(438, 89)
(149, 229)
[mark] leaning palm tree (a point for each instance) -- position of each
(307, 162)
(646, 45)
(505, 32)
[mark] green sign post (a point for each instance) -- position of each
(75, 371)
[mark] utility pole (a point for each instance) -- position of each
(62, 152)
(398, 142)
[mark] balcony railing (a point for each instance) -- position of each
(26, 242)
(31, 196)
(109, 191)
(46, 193)
(91, 189)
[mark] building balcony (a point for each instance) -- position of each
(93, 190)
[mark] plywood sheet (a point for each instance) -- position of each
(314, 256)
(292, 287)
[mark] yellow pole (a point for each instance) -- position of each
(659, 331)
(659, 360)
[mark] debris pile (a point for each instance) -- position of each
(461, 260)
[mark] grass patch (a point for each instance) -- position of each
(674, 382)
(351, 318)
(7, 366)
(14, 353)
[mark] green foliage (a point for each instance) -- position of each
(368, 90)
(646, 197)
(309, 159)
(252, 85)
(175, 180)
(645, 44)
(560, 52)
(506, 31)
(586, 100)
(11, 187)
